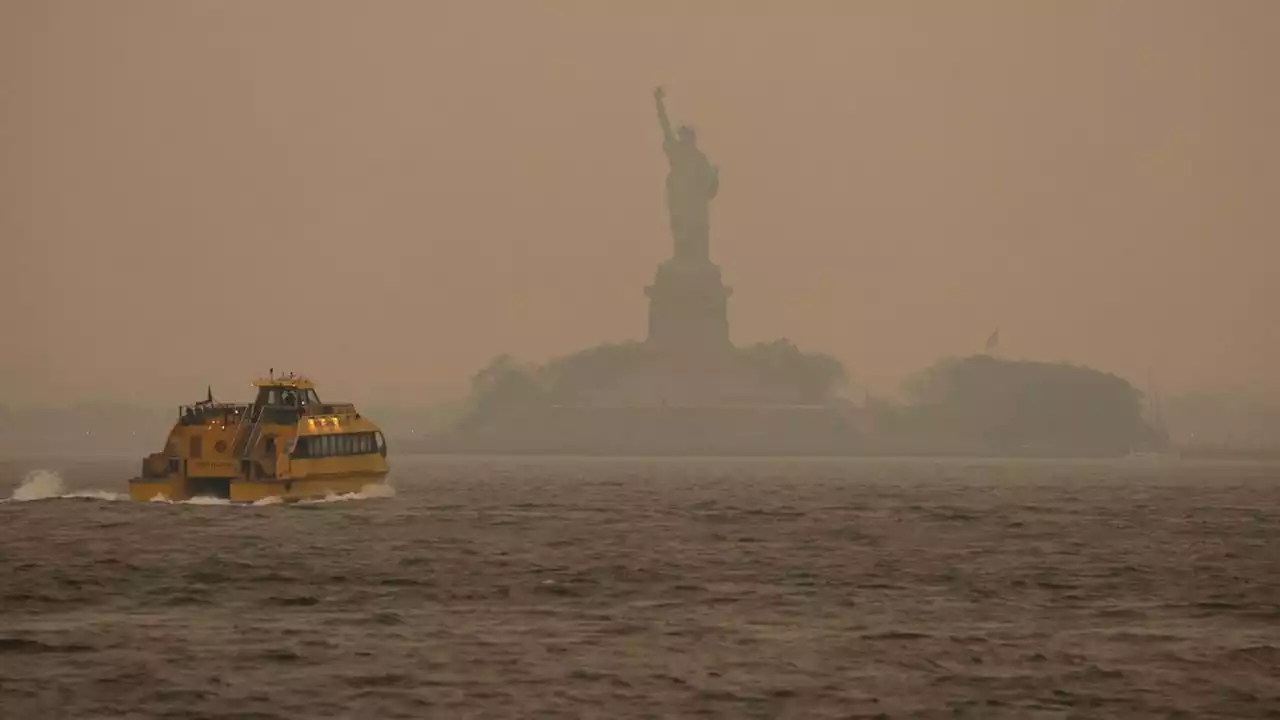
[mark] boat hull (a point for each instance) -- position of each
(240, 490)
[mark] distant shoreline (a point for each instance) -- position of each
(1243, 456)
(436, 445)
(1273, 458)
(1136, 462)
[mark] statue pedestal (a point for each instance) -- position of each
(688, 309)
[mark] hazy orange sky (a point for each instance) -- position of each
(383, 195)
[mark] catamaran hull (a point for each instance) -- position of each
(239, 490)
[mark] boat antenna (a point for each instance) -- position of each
(271, 374)
(209, 393)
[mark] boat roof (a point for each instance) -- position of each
(291, 381)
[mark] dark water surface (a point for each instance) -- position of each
(614, 588)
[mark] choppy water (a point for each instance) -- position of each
(607, 588)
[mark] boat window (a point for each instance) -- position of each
(318, 446)
(382, 444)
(263, 399)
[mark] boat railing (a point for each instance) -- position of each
(245, 441)
(337, 409)
(204, 413)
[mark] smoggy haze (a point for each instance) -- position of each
(385, 194)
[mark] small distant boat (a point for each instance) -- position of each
(287, 444)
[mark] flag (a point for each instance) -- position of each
(994, 341)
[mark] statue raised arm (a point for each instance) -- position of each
(667, 135)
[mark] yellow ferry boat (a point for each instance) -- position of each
(287, 444)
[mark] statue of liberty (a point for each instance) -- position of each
(692, 182)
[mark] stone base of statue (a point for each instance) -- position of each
(688, 309)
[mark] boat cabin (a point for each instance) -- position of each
(286, 400)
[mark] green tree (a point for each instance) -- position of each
(505, 384)
(1012, 407)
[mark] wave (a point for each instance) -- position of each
(48, 485)
(368, 492)
(198, 500)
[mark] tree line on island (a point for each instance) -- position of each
(980, 405)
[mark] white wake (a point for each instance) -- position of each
(48, 485)
(368, 492)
